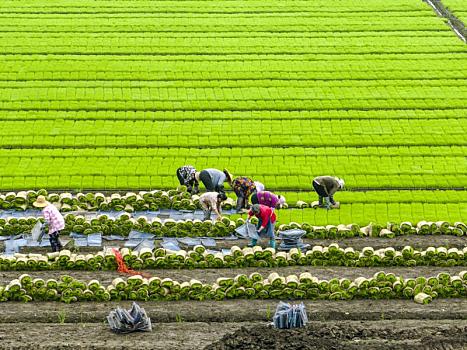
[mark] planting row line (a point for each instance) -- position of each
(165, 94)
(74, 88)
(184, 39)
(180, 154)
(346, 7)
(157, 199)
(241, 78)
(243, 103)
(214, 128)
(218, 28)
(145, 178)
(235, 257)
(213, 65)
(144, 46)
(264, 115)
(123, 224)
(290, 173)
(80, 137)
(305, 286)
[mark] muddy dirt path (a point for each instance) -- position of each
(235, 310)
(183, 336)
(383, 334)
(210, 275)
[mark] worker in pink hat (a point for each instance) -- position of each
(54, 220)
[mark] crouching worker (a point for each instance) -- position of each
(187, 177)
(267, 220)
(326, 187)
(214, 179)
(212, 201)
(54, 220)
(243, 187)
(268, 199)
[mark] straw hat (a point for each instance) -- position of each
(40, 202)
(228, 175)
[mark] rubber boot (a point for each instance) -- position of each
(320, 202)
(207, 215)
(252, 243)
(239, 206)
(272, 243)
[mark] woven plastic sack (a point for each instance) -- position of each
(292, 239)
(127, 321)
(247, 230)
(290, 316)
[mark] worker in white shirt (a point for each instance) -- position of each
(212, 201)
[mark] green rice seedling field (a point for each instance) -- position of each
(106, 95)
(102, 100)
(458, 8)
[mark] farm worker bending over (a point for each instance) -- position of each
(211, 201)
(54, 220)
(243, 188)
(268, 199)
(186, 176)
(326, 186)
(267, 220)
(214, 179)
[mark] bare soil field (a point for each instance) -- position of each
(239, 324)
(407, 334)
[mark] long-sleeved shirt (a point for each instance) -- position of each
(329, 183)
(266, 214)
(54, 218)
(217, 177)
(209, 201)
(243, 185)
(267, 198)
(188, 173)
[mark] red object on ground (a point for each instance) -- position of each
(122, 268)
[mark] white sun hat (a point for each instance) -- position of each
(259, 186)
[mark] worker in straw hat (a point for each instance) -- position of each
(54, 219)
(212, 201)
(326, 187)
(266, 222)
(214, 179)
